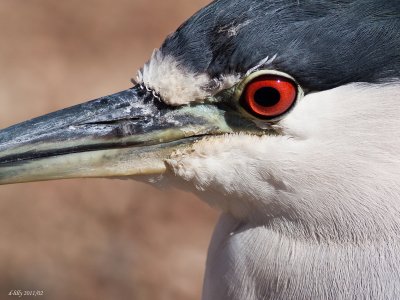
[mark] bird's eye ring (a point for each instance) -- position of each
(269, 96)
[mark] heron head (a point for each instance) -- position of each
(270, 112)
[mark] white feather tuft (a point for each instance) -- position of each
(172, 81)
(177, 85)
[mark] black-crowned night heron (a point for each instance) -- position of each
(284, 114)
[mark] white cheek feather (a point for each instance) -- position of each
(313, 213)
(337, 161)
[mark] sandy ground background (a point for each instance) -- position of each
(91, 239)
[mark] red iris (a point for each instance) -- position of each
(269, 96)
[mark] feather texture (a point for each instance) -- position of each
(313, 213)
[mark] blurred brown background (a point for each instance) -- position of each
(91, 239)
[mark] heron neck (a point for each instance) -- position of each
(278, 266)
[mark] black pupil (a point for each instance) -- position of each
(267, 96)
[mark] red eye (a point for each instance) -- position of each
(269, 96)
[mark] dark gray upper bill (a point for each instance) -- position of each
(124, 119)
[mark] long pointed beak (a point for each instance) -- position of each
(125, 134)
